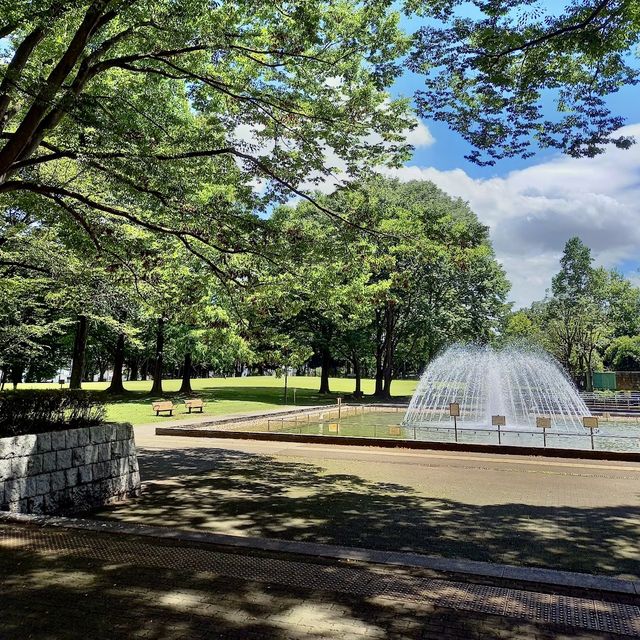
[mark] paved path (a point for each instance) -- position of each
(563, 514)
(60, 584)
(63, 584)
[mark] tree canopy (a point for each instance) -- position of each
(518, 75)
(588, 319)
(423, 277)
(159, 163)
(167, 114)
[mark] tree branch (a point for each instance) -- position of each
(8, 29)
(229, 91)
(598, 9)
(54, 193)
(269, 172)
(22, 265)
(164, 53)
(263, 167)
(14, 69)
(23, 137)
(58, 154)
(80, 220)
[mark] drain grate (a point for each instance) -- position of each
(570, 611)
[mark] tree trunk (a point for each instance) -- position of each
(589, 367)
(379, 351)
(26, 138)
(3, 378)
(324, 373)
(116, 385)
(357, 370)
(388, 378)
(185, 387)
(387, 368)
(144, 371)
(79, 349)
(16, 375)
(157, 367)
(133, 369)
(589, 381)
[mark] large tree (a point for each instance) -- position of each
(437, 277)
(577, 321)
(590, 314)
(424, 275)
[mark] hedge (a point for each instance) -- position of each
(41, 410)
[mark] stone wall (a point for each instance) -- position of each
(68, 471)
(627, 380)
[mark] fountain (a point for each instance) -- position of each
(518, 382)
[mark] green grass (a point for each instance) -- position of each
(225, 396)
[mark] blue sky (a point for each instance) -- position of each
(533, 206)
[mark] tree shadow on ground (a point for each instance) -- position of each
(267, 395)
(69, 597)
(249, 494)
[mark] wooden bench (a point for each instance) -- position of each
(164, 405)
(194, 403)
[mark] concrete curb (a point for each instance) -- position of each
(532, 575)
(205, 421)
(504, 449)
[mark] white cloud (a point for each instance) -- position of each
(532, 212)
(420, 136)
(334, 82)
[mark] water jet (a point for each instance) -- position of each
(519, 382)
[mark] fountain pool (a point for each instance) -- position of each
(378, 422)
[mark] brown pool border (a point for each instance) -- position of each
(548, 452)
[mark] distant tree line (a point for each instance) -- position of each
(589, 319)
(378, 303)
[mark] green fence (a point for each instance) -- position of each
(605, 380)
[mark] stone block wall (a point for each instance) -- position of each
(68, 471)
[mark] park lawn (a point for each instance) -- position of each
(224, 396)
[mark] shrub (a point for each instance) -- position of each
(40, 410)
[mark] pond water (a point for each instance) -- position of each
(612, 435)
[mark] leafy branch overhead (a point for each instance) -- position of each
(522, 75)
(191, 118)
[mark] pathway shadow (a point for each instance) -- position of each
(62, 597)
(241, 493)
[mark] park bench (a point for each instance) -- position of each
(194, 403)
(164, 405)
